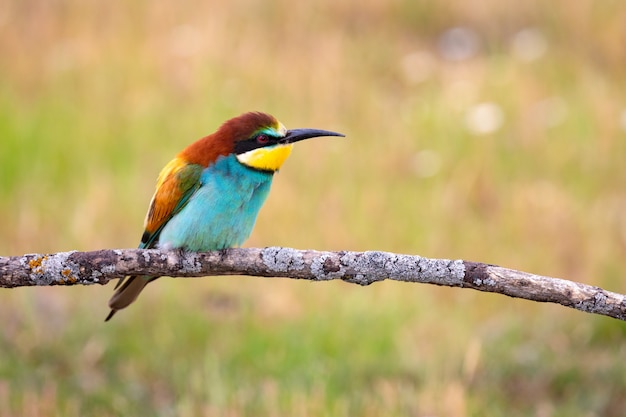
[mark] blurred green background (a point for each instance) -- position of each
(491, 131)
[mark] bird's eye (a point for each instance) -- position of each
(262, 139)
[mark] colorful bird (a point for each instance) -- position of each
(208, 197)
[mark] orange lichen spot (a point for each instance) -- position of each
(35, 264)
(67, 273)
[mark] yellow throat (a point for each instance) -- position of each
(270, 158)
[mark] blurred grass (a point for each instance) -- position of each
(95, 97)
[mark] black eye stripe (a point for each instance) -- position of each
(249, 144)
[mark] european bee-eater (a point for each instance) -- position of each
(208, 197)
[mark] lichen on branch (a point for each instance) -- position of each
(363, 268)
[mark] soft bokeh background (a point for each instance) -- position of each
(491, 130)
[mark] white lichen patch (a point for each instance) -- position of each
(600, 299)
(348, 258)
(282, 259)
(378, 259)
(372, 266)
(442, 271)
(95, 276)
(403, 267)
(55, 269)
(457, 269)
(108, 269)
(376, 266)
(320, 270)
(191, 263)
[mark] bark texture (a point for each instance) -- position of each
(363, 268)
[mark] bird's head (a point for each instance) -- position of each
(261, 142)
(258, 141)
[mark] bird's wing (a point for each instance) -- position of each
(176, 184)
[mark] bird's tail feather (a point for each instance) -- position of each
(127, 293)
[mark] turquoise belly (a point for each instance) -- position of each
(222, 212)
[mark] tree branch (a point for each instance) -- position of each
(363, 268)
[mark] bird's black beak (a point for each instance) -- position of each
(295, 135)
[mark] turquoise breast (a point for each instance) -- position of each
(222, 212)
